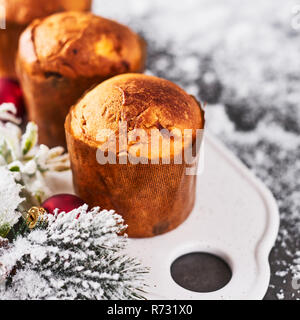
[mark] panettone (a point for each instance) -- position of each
(18, 14)
(62, 56)
(153, 196)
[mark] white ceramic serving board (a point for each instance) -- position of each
(235, 217)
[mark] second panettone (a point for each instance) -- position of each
(18, 14)
(62, 56)
(156, 193)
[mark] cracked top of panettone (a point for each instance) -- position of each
(24, 12)
(79, 44)
(140, 101)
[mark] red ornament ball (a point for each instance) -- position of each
(10, 91)
(62, 202)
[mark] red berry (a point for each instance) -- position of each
(10, 91)
(63, 202)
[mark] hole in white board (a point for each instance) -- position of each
(201, 272)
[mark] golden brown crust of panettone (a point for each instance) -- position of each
(22, 12)
(78, 44)
(144, 102)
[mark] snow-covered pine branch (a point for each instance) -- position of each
(77, 256)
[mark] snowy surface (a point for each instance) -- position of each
(242, 58)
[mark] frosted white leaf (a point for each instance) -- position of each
(10, 136)
(29, 139)
(52, 159)
(30, 168)
(7, 113)
(9, 198)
